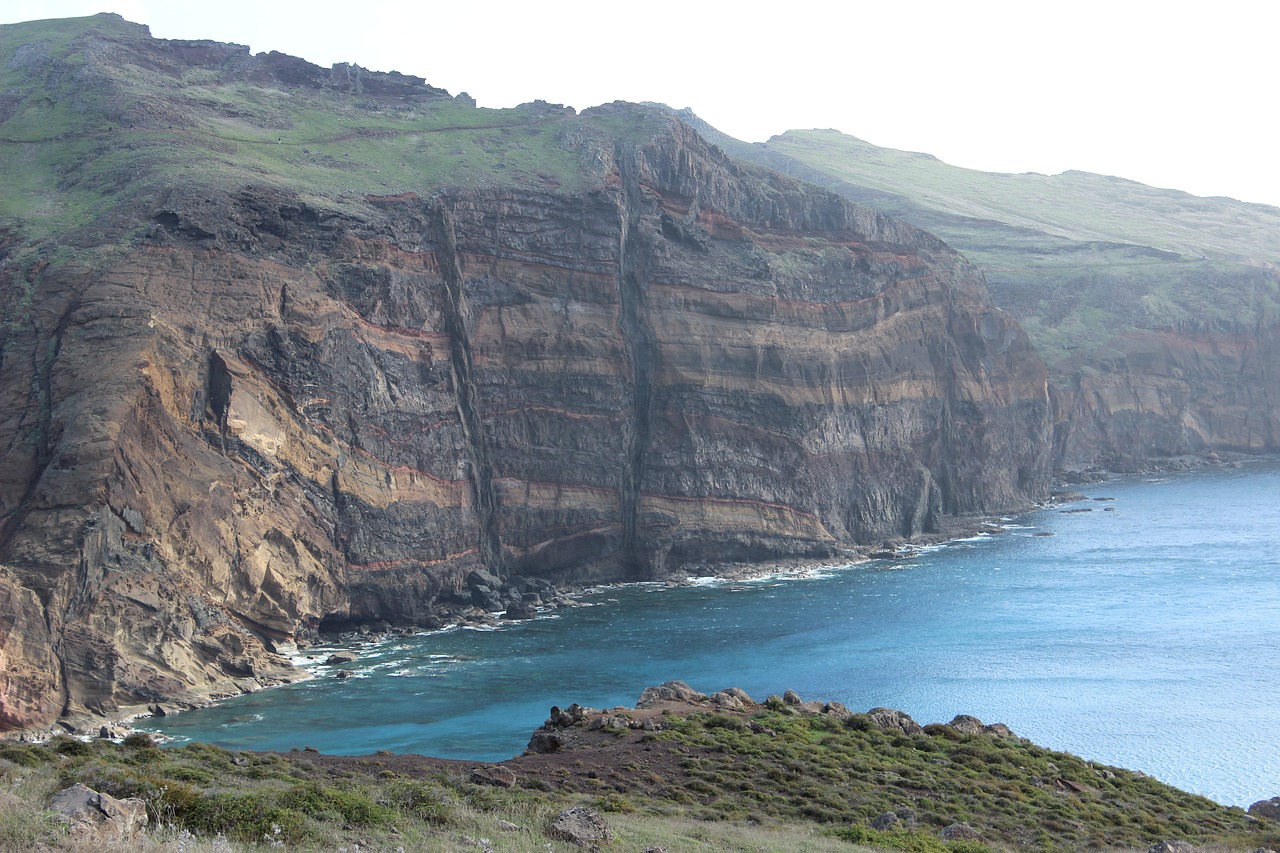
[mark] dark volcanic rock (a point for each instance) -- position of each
(1269, 809)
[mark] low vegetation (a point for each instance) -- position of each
(767, 781)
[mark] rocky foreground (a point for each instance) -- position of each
(682, 770)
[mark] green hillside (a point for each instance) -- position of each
(95, 112)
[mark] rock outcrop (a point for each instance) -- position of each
(95, 817)
(266, 413)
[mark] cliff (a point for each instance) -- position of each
(1158, 312)
(291, 347)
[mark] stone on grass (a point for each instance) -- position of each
(99, 817)
(581, 826)
(1170, 846)
(959, 832)
(891, 719)
(494, 774)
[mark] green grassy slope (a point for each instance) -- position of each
(763, 782)
(95, 112)
(1076, 206)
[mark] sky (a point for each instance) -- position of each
(1173, 94)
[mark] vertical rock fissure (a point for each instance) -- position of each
(218, 388)
(42, 390)
(639, 348)
(483, 491)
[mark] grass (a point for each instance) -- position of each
(776, 781)
(1014, 793)
(89, 123)
(203, 798)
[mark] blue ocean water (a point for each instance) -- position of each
(1144, 633)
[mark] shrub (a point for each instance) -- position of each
(420, 800)
(24, 755)
(723, 721)
(860, 723)
(71, 747)
(353, 806)
(138, 740)
(245, 817)
(942, 730)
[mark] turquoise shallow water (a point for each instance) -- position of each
(1146, 637)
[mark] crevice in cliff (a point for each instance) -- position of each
(640, 355)
(43, 359)
(218, 394)
(483, 491)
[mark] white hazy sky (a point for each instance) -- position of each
(1172, 93)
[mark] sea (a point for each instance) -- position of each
(1144, 633)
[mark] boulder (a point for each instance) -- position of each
(729, 702)
(581, 826)
(739, 694)
(479, 579)
(891, 719)
(520, 610)
(837, 710)
(544, 742)
(494, 774)
(113, 732)
(999, 730)
(340, 658)
(966, 724)
(959, 832)
(1269, 809)
(884, 821)
(1168, 846)
(669, 691)
(792, 698)
(99, 817)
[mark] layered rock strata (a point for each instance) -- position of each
(267, 416)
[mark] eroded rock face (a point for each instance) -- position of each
(1165, 393)
(264, 416)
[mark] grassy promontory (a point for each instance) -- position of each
(681, 772)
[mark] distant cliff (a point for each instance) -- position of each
(1157, 312)
(263, 370)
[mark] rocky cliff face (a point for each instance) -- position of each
(1154, 309)
(1196, 389)
(263, 412)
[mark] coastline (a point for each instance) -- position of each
(291, 668)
